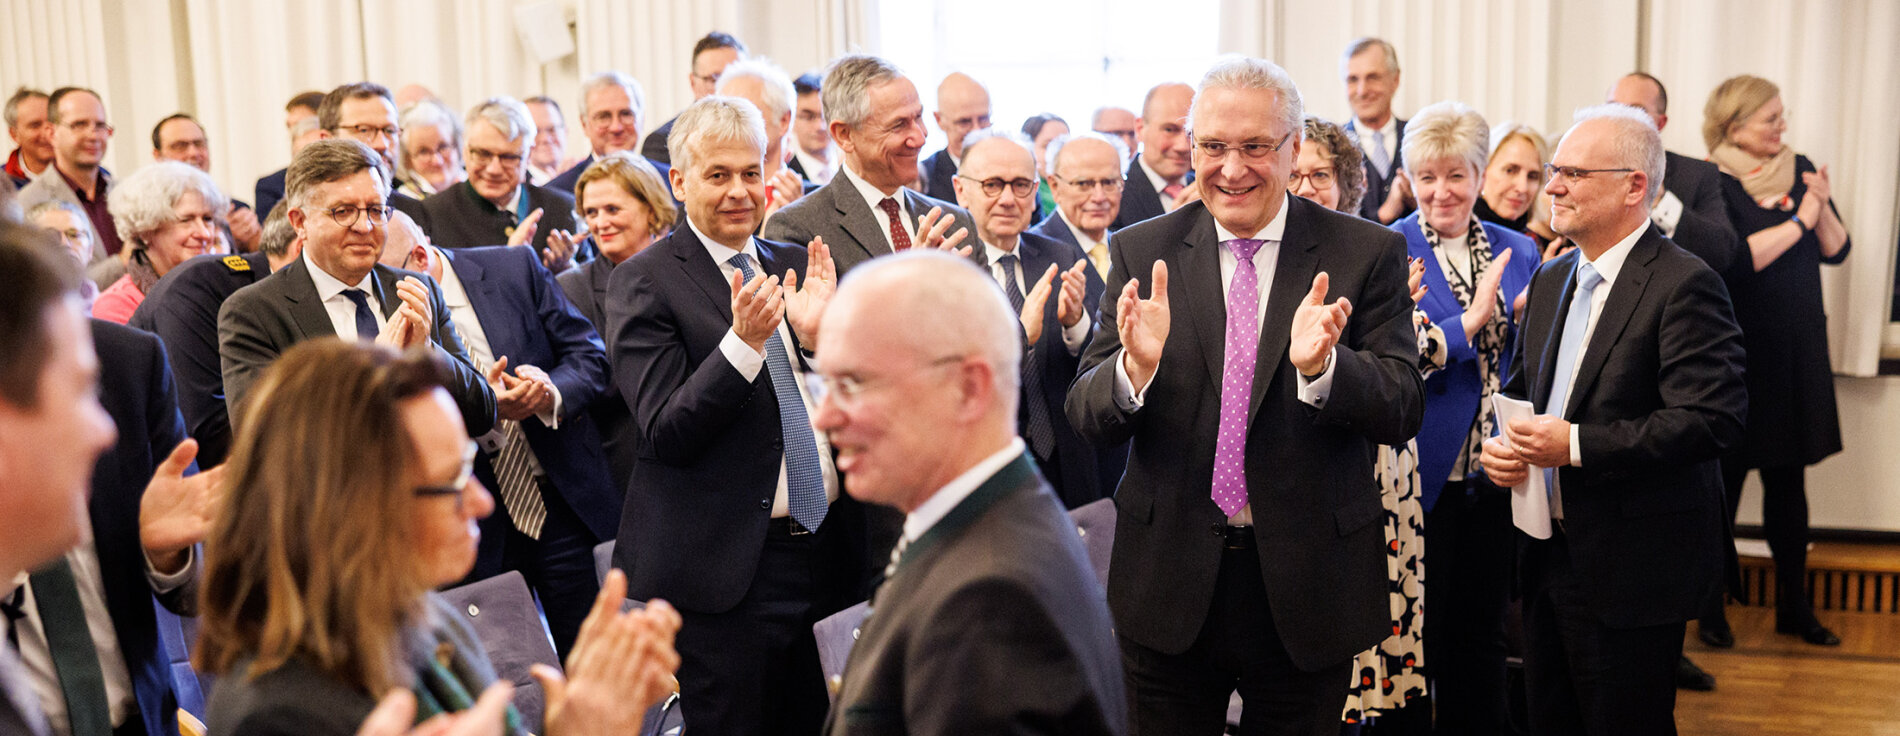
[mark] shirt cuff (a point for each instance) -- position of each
(743, 358)
(552, 417)
(1125, 395)
(1073, 337)
(1313, 391)
(1576, 447)
(1667, 213)
(166, 583)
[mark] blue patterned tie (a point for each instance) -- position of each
(1380, 159)
(366, 329)
(1040, 430)
(804, 477)
(1576, 321)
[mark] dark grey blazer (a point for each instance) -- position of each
(261, 321)
(993, 623)
(586, 289)
(839, 214)
(1705, 228)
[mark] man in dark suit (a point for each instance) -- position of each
(612, 109)
(963, 107)
(556, 500)
(1631, 355)
(813, 156)
(711, 54)
(180, 137)
(990, 619)
(52, 431)
(301, 123)
(733, 514)
(1053, 290)
(337, 287)
(496, 198)
(366, 112)
(1159, 179)
(1370, 68)
(1258, 423)
(182, 309)
(868, 209)
(1086, 178)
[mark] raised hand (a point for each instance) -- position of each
(931, 229)
(784, 188)
(1316, 327)
(1556, 247)
(410, 325)
(1070, 307)
(176, 511)
(1484, 301)
(559, 255)
(1035, 303)
(1143, 326)
(622, 663)
(1814, 204)
(805, 303)
(514, 397)
(1415, 279)
(541, 399)
(524, 230)
(757, 307)
(244, 227)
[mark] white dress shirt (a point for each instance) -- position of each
(939, 505)
(819, 171)
(1608, 265)
(749, 362)
(1072, 337)
(342, 310)
(871, 197)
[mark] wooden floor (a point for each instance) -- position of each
(1776, 684)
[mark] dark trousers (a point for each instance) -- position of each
(559, 566)
(754, 669)
(1582, 677)
(1187, 694)
(1468, 551)
(1784, 521)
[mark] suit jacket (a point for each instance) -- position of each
(182, 309)
(992, 624)
(413, 208)
(1658, 397)
(1081, 481)
(1705, 229)
(463, 219)
(1379, 187)
(269, 191)
(1140, 201)
(261, 321)
(1309, 471)
(524, 316)
(695, 518)
(838, 214)
(1453, 395)
(938, 175)
(586, 289)
(135, 387)
(654, 146)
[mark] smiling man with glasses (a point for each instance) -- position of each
(1085, 175)
(80, 138)
(496, 200)
(365, 112)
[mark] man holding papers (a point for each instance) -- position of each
(1632, 361)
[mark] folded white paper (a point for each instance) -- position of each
(1530, 500)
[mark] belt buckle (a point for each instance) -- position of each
(797, 529)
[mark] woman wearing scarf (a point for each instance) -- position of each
(1780, 203)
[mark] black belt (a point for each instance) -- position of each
(785, 526)
(1235, 537)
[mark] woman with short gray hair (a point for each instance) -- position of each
(166, 213)
(431, 158)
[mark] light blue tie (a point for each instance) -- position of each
(1576, 322)
(1380, 160)
(804, 477)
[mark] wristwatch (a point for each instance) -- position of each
(1796, 219)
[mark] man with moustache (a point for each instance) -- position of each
(1085, 175)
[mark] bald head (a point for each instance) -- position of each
(1641, 90)
(963, 105)
(400, 245)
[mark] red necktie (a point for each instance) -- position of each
(900, 240)
(1173, 191)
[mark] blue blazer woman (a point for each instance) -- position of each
(1452, 394)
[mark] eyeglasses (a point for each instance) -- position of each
(74, 234)
(607, 117)
(993, 187)
(346, 215)
(1089, 185)
(84, 127)
(1217, 150)
(478, 158)
(460, 484)
(1321, 179)
(1572, 173)
(368, 133)
(846, 390)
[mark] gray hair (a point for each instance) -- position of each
(1448, 129)
(13, 103)
(1054, 153)
(143, 202)
(303, 127)
(715, 119)
(509, 116)
(78, 215)
(425, 113)
(776, 85)
(636, 98)
(848, 84)
(1364, 44)
(278, 232)
(1243, 72)
(1637, 143)
(328, 160)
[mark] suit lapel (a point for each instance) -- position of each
(1292, 277)
(306, 309)
(697, 266)
(1625, 294)
(856, 218)
(1206, 307)
(482, 298)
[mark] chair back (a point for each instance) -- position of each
(836, 634)
(1095, 521)
(506, 620)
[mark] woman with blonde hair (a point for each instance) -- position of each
(350, 499)
(1782, 205)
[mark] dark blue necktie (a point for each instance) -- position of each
(366, 329)
(1039, 430)
(804, 477)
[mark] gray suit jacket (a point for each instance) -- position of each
(261, 321)
(837, 213)
(993, 623)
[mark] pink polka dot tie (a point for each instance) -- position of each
(1236, 385)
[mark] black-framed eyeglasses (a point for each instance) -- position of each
(847, 389)
(368, 133)
(460, 483)
(345, 215)
(1110, 185)
(1217, 150)
(993, 187)
(1573, 173)
(1321, 179)
(479, 157)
